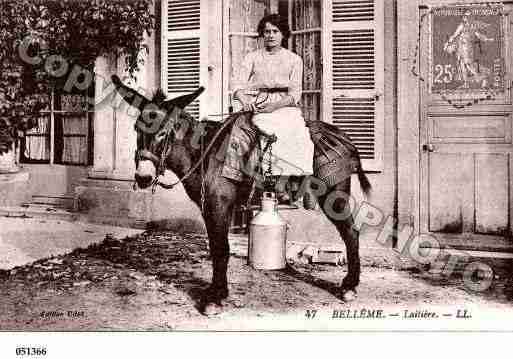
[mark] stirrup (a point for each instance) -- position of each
(309, 201)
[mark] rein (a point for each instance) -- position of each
(254, 106)
(161, 160)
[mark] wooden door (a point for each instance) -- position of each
(465, 127)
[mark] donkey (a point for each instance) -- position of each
(168, 138)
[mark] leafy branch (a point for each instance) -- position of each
(79, 31)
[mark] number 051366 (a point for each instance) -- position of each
(30, 351)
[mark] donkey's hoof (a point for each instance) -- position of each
(348, 295)
(214, 294)
(212, 301)
(212, 309)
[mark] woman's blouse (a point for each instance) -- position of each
(262, 69)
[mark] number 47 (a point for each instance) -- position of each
(443, 74)
(310, 313)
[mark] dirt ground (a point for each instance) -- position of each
(153, 281)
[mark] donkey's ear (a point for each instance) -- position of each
(131, 96)
(182, 101)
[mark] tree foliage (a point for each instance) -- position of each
(77, 31)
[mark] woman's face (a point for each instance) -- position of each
(272, 36)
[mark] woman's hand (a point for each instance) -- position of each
(273, 106)
(249, 107)
(245, 100)
(268, 107)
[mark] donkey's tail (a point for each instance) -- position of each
(364, 180)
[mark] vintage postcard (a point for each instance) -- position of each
(255, 165)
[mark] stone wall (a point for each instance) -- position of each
(116, 202)
(14, 189)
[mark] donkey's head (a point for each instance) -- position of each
(159, 126)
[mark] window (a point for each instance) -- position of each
(243, 18)
(340, 41)
(64, 132)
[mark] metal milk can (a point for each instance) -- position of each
(267, 236)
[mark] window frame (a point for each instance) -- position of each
(53, 136)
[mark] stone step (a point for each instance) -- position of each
(47, 207)
(65, 202)
(44, 206)
(38, 212)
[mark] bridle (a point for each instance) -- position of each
(158, 160)
(145, 154)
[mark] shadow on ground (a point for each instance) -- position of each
(156, 280)
(172, 259)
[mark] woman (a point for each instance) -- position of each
(269, 83)
(462, 42)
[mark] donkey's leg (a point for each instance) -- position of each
(218, 212)
(217, 225)
(335, 205)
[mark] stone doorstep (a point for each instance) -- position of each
(45, 212)
(45, 206)
(48, 211)
(18, 176)
(112, 220)
(63, 202)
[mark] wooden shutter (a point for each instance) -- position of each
(183, 50)
(354, 69)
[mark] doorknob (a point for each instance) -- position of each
(428, 147)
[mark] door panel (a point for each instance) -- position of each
(465, 152)
(492, 193)
(450, 182)
(471, 128)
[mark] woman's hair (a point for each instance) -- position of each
(276, 20)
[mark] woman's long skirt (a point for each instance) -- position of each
(293, 151)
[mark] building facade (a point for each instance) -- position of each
(421, 86)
